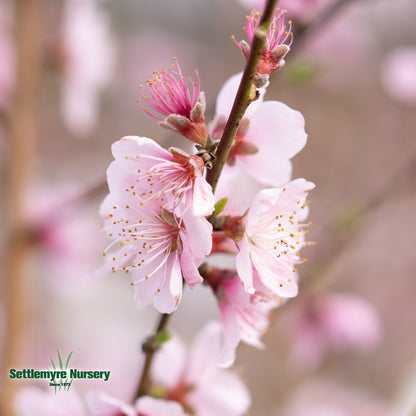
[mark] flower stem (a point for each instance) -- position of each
(149, 347)
(244, 94)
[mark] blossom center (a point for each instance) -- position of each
(145, 237)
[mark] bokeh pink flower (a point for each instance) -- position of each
(105, 405)
(88, 64)
(30, 401)
(398, 74)
(334, 322)
(194, 379)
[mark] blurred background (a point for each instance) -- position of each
(69, 82)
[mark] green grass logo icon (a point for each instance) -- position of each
(66, 383)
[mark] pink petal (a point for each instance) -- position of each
(118, 181)
(126, 150)
(169, 363)
(203, 198)
(204, 353)
(275, 276)
(188, 266)
(296, 190)
(222, 395)
(226, 96)
(278, 129)
(101, 404)
(231, 335)
(262, 203)
(168, 296)
(145, 289)
(243, 265)
(269, 169)
(148, 406)
(199, 236)
(229, 186)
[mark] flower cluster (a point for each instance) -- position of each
(162, 217)
(155, 214)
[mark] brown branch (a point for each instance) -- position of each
(149, 347)
(318, 274)
(23, 132)
(244, 95)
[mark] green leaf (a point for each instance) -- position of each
(220, 205)
(161, 337)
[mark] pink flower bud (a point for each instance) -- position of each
(275, 48)
(177, 106)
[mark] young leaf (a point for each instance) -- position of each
(220, 205)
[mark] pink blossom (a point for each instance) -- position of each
(398, 74)
(245, 317)
(102, 404)
(64, 233)
(275, 48)
(337, 322)
(270, 135)
(144, 170)
(31, 401)
(89, 57)
(194, 379)
(273, 238)
(181, 110)
(154, 245)
(185, 382)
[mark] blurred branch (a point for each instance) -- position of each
(302, 32)
(23, 132)
(318, 273)
(244, 95)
